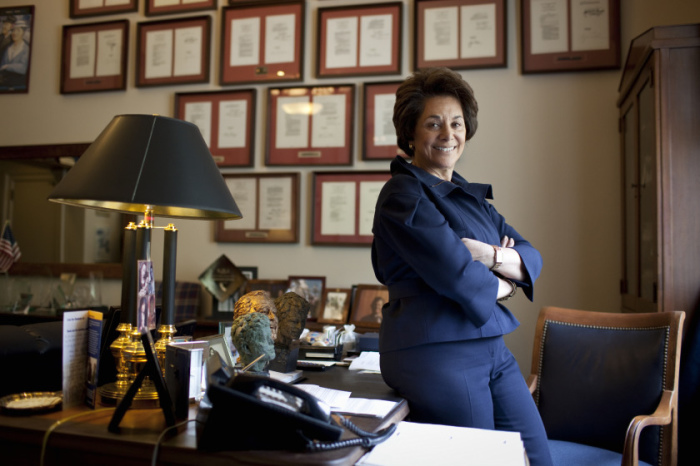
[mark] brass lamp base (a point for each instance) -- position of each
(111, 395)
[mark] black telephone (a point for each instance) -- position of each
(254, 412)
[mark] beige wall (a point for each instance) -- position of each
(548, 143)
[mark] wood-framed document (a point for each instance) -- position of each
(343, 206)
(570, 35)
(380, 134)
(83, 8)
(225, 119)
(174, 51)
(94, 57)
(359, 40)
(269, 203)
(262, 41)
(310, 125)
(167, 7)
(460, 34)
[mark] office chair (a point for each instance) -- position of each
(606, 384)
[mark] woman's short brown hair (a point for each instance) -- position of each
(422, 85)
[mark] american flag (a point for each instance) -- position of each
(9, 250)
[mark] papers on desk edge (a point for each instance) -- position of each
(448, 445)
(341, 402)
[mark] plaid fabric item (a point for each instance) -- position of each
(186, 299)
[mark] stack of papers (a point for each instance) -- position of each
(421, 444)
(340, 402)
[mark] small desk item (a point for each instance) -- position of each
(152, 370)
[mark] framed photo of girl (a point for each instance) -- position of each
(336, 303)
(15, 49)
(367, 305)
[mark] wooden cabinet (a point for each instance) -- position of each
(660, 136)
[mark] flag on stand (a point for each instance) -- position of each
(9, 250)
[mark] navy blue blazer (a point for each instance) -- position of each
(437, 292)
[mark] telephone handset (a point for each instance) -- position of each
(253, 412)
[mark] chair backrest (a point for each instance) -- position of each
(596, 371)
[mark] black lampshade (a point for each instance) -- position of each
(148, 161)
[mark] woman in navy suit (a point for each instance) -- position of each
(450, 261)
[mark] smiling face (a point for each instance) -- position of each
(439, 136)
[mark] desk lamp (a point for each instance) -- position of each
(155, 166)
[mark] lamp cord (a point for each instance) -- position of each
(154, 458)
(60, 422)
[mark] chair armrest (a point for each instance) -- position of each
(532, 383)
(663, 415)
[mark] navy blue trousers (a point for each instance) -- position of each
(470, 383)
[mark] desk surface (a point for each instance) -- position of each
(84, 439)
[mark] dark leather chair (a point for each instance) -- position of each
(606, 385)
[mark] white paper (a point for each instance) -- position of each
(87, 4)
(116, 2)
(328, 125)
(333, 398)
(341, 42)
(292, 128)
(244, 191)
(279, 39)
(367, 407)
(245, 42)
(159, 54)
(188, 50)
(275, 203)
(75, 335)
(233, 124)
(109, 47)
(199, 113)
(478, 31)
(366, 361)
(161, 3)
(589, 25)
(440, 37)
(82, 55)
(369, 192)
(384, 131)
(449, 446)
(375, 40)
(549, 30)
(338, 208)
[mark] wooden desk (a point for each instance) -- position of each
(85, 439)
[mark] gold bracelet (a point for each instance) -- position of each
(512, 293)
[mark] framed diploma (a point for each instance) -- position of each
(570, 35)
(225, 119)
(380, 134)
(262, 42)
(343, 206)
(174, 51)
(83, 8)
(166, 7)
(269, 203)
(310, 125)
(359, 40)
(460, 34)
(94, 57)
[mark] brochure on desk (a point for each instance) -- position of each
(82, 332)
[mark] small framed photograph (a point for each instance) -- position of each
(311, 289)
(380, 134)
(167, 7)
(276, 288)
(269, 203)
(174, 51)
(343, 206)
(217, 343)
(225, 330)
(94, 57)
(225, 119)
(359, 40)
(460, 34)
(560, 35)
(262, 42)
(336, 304)
(16, 49)
(310, 125)
(83, 8)
(367, 305)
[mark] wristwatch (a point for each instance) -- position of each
(497, 257)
